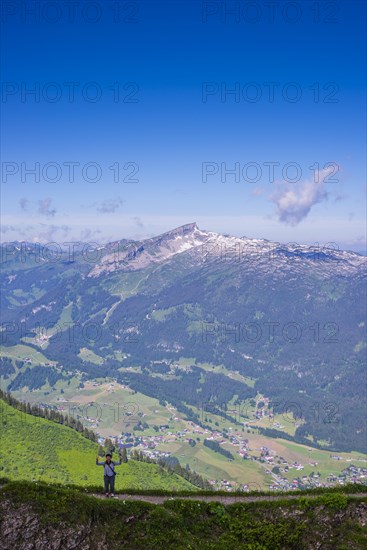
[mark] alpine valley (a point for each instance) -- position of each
(240, 357)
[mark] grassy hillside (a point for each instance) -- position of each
(71, 519)
(36, 449)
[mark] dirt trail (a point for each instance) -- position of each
(223, 499)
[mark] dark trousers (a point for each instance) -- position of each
(109, 481)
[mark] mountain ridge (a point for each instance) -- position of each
(132, 248)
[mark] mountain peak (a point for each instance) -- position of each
(184, 229)
(190, 226)
(154, 250)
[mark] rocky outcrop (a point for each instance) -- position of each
(23, 528)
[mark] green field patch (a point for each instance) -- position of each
(89, 355)
(125, 284)
(19, 297)
(161, 314)
(117, 409)
(21, 352)
(360, 346)
(215, 466)
(234, 375)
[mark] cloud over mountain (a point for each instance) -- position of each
(295, 200)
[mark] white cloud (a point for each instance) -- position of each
(44, 207)
(137, 221)
(294, 201)
(257, 192)
(23, 202)
(109, 206)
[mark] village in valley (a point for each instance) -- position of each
(274, 466)
(164, 432)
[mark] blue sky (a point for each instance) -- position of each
(172, 129)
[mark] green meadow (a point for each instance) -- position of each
(37, 449)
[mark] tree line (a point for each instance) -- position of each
(48, 414)
(172, 465)
(214, 445)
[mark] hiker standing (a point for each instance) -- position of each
(109, 474)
